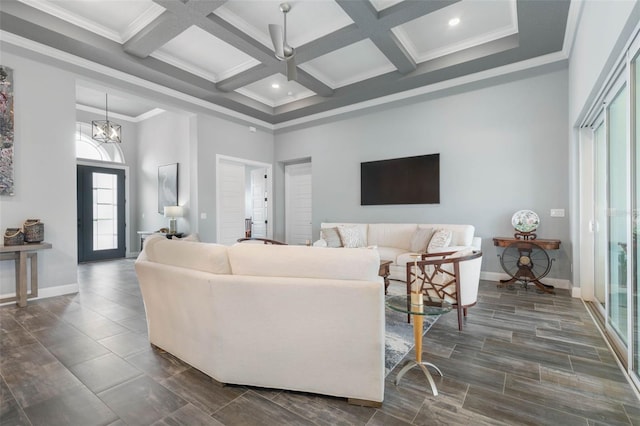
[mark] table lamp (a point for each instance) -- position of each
(173, 212)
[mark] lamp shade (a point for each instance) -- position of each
(173, 211)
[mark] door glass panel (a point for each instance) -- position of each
(617, 224)
(600, 227)
(105, 211)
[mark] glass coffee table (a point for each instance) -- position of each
(418, 306)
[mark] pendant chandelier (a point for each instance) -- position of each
(106, 131)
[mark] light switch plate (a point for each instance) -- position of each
(557, 212)
(203, 215)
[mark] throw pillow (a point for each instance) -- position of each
(441, 239)
(331, 236)
(350, 236)
(420, 240)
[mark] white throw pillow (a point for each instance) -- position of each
(350, 236)
(441, 239)
(331, 236)
(420, 240)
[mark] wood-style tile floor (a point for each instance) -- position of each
(523, 358)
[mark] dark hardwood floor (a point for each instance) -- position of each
(523, 358)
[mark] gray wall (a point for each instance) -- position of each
(502, 148)
(45, 171)
(163, 139)
(219, 136)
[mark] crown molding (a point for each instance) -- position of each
(408, 94)
(58, 55)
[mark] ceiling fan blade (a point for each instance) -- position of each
(292, 71)
(277, 38)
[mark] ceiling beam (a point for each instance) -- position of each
(221, 29)
(155, 35)
(408, 10)
(366, 18)
(165, 27)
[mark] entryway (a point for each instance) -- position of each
(243, 198)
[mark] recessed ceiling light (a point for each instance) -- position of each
(289, 93)
(454, 21)
(275, 85)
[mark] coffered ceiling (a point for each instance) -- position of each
(346, 51)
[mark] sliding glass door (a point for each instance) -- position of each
(616, 216)
(618, 231)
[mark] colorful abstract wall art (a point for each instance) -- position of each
(6, 131)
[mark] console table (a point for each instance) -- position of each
(525, 263)
(145, 234)
(20, 254)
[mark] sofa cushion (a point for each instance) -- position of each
(304, 262)
(462, 235)
(420, 240)
(449, 248)
(405, 258)
(397, 235)
(390, 253)
(204, 257)
(441, 239)
(331, 236)
(350, 236)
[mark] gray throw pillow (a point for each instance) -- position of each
(331, 236)
(420, 240)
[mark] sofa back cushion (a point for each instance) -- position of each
(462, 235)
(204, 257)
(361, 227)
(396, 235)
(304, 262)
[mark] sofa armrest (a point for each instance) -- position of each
(476, 243)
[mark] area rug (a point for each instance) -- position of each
(399, 337)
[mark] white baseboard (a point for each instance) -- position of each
(46, 292)
(576, 292)
(556, 282)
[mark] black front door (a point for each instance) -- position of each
(101, 224)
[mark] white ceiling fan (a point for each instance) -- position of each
(283, 51)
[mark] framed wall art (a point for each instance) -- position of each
(6, 131)
(167, 186)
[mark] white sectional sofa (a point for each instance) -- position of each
(286, 317)
(394, 240)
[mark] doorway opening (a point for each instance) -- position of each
(243, 199)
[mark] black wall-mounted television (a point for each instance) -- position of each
(410, 180)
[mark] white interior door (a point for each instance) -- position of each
(231, 199)
(298, 203)
(259, 200)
